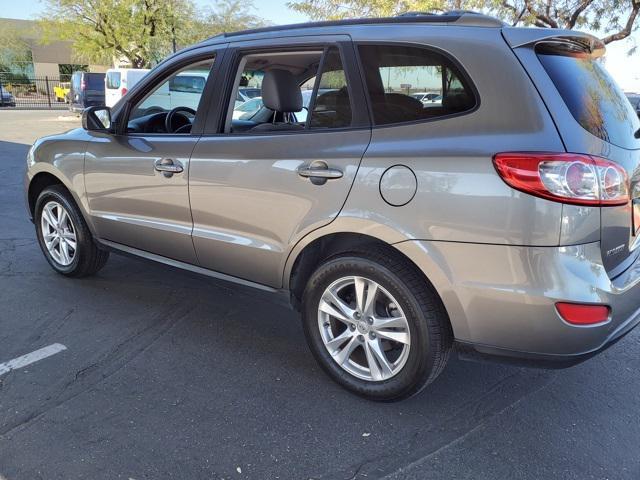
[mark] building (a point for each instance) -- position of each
(51, 59)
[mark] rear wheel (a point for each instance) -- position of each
(375, 326)
(63, 235)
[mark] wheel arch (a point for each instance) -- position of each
(38, 183)
(47, 177)
(325, 246)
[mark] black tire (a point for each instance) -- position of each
(429, 326)
(88, 258)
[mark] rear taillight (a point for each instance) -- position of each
(123, 91)
(583, 314)
(83, 85)
(565, 177)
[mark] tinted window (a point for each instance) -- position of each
(591, 95)
(113, 80)
(187, 84)
(395, 74)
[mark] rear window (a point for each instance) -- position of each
(187, 84)
(95, 81)
(113, 80)
(409, 84)
(591, 95)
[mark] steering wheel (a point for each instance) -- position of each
(177, 113)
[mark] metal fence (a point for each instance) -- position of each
(22, 91)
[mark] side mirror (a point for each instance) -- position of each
(96, 119)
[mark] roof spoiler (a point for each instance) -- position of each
(577, 41)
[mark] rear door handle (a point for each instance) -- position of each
(319, 172)
(168, 166)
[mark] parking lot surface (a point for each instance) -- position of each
(167, 374)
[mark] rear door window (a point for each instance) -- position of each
(409, 84)
(591, 95)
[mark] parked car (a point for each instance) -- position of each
(6, 98)
(245, 94)
(489, 228)
(61, 91)
(247, 109)
(118, 81)
(428, 97)
(182, 90)
(634, 98)
(87, 90)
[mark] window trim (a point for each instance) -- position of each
(360, 116)
(447, 55)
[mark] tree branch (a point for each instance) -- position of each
(626, 31)
(576, 14)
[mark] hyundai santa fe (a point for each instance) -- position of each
(502, 222)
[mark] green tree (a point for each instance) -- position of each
(613, 19)
(140, 32)
(15, 52)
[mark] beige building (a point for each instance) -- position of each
(46, 58)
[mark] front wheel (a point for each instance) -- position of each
(375, 326)
(63, 235)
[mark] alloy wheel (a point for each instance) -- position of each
(364, 328)
(58, 233)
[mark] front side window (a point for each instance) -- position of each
(408, 84)
(290, 91)
(171, 106)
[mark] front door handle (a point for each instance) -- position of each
(168, 166)
(319, 172)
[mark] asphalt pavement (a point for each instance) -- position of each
(167, 374)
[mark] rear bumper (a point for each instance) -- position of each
(485, 353)
(501, 299)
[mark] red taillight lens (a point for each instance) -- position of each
(83, 85)
(565, 177)
(580, 314)
(123, 91)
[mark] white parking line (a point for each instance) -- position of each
(30, 358)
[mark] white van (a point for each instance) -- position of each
(181, 90)
(118, 81)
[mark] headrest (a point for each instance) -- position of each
(281, 92)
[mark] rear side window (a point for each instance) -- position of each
(591, 95)
(113, 80)
(408, 84)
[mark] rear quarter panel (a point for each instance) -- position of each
(459, 196)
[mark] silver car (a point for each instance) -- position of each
(501, 223)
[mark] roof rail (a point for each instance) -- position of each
(458, 17)
(465, 17)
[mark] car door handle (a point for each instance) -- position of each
(319, 172)
(168, 166)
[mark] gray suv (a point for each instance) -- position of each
(501, 221)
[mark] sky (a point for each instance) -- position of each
(624, 68)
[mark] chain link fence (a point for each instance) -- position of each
(33, 92)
